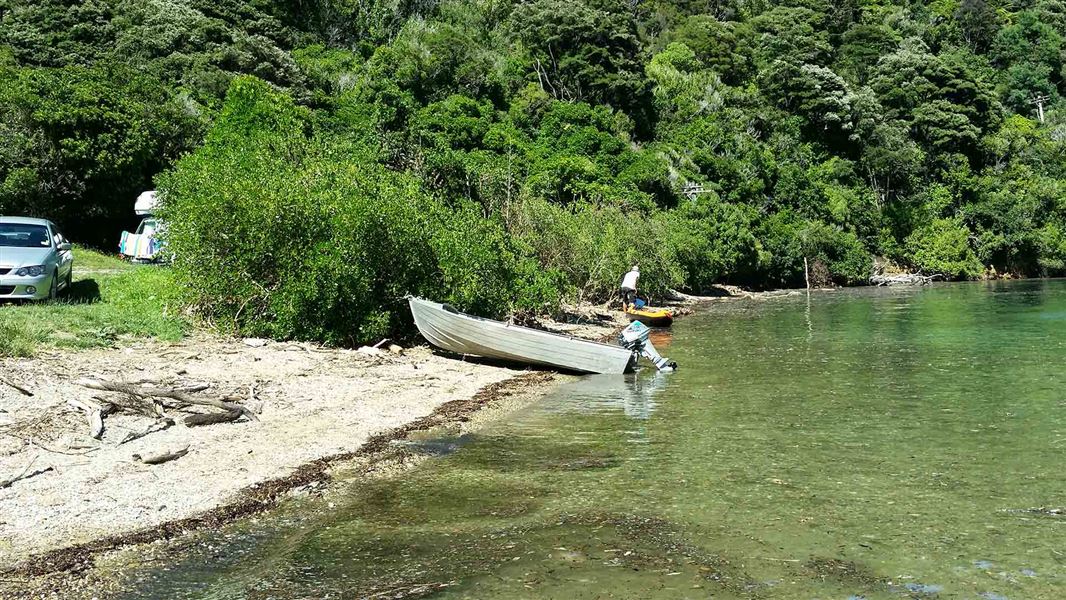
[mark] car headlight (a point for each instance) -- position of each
(33, 271)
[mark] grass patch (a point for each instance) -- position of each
(94, 260)
(109, 299)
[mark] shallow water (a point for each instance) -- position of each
(871, 443)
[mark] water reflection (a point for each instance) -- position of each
(634, 394)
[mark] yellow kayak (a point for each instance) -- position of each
(652, 317)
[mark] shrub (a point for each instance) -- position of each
(79, 144)
(592, 247)
(1052, 240)
(789, 240)
(289, 235)
(943, 246)
(712, 241)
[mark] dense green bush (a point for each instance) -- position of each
(713, 242)
(943, 247)
(79, 144)
(789, 240)
(594, 246)
(286, 234)
(1052, 241)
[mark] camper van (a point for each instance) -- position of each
(143, 245)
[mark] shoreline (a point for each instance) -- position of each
(41, 566)
(105, 569)
(313, 407)
(315, 476)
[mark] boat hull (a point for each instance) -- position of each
(465, 334)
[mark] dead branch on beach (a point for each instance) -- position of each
(16, 387)
(94, 413)
(24, 474)
(178, 398)
(211, 418)
(31, 431)
(29, 440)
(162, 457)
(152, 399)
(27, 424)
(159, 425)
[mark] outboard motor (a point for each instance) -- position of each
(635, 338)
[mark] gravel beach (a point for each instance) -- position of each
(310, 403)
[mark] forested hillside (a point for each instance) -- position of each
(503, 154)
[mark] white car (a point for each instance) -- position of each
(36, 261)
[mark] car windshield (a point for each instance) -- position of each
(21, 235)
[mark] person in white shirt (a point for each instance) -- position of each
(629, 287)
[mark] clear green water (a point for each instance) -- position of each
(872, 444)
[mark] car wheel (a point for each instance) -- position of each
(53, 291)
(70, 281)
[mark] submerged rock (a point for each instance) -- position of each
(923, 588)
(436, 447)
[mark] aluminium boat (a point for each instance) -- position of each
(445, 327)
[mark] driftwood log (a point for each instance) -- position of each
(211, 418)
(162, 457)
(904, 279)
(94, 413)
(181, 396)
